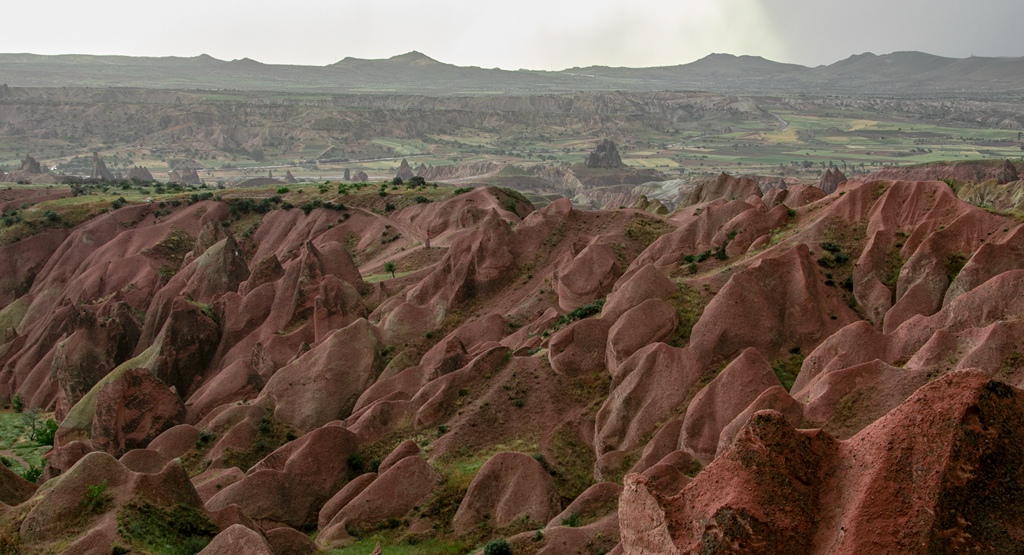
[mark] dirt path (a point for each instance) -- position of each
(783, 124)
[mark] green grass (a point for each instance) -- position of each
(689, 305)
(177, 530)
(787, 369)
(374, 278)
(365, 546)
(15, 438)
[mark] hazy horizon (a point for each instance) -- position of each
(534, 35)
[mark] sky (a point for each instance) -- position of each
(529, 34)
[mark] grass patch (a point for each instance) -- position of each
(787, 368)
(409, 546)
(177, 530)
(646, 230)
(689, 305)
(456, 477)
(16, 436)
(573, 469)
(270, 434)
(891, 270)
(374, 278)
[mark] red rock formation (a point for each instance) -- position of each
(99, 169)
(268, 329)
(724, 186)
(140, 173)
(392, 495)
(238, 540)
(831, 180)
(405, 171)
(850, 496)
(291, 484)
(510, 487)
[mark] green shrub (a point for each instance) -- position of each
(572, 521)
(497, 547)
(580, 313)
(95, 497)
(45, 435)
(32, 473)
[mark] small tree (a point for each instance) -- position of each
(390, 268)
(497, 547)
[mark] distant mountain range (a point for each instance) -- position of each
(896, 74)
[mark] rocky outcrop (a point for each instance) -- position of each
(30, 166)
(291, 484)
(724, 186)
(301, 394)
(132, 410)
(238, 540)
(853, 496)
(967, 172)
(604, 155)
(509, 488)
(140, 173)
(830, 180)
(405, 171)
(190, 177)
(99, 169)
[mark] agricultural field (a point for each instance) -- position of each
(229, 137)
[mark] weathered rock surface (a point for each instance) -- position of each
(509, 487)
(246, 347)
(604, 155)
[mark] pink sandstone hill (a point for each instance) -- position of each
(794, 371)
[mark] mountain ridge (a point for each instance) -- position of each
(898, 73)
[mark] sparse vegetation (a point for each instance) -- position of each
(689, 304)
(585, 311)
(787, 368)
(176, 530)
(497, 547)
(95, 498)
(954, 263)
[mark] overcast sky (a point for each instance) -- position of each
(533, 34)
